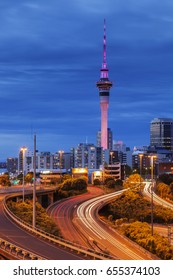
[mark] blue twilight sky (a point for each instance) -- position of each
(50, 59)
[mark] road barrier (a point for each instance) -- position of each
(54, 239)
(10, 249)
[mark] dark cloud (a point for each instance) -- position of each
(50, 57)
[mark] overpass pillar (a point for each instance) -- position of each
(50, 198)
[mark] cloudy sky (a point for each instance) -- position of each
(50, 59)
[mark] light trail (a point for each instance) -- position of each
(87, 213)
(156, 198)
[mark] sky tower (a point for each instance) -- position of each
(104, 86)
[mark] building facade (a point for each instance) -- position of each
(12, 165)
(86, 156)
(44, 161)
(124, 153)
(161, 133)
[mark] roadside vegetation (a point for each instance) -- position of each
(164, 186)
(109, 184)
(130, 213)
(71, 187)
(134, 207)
(24, 210)
(156, 244)
(4, 180)
(134, 181)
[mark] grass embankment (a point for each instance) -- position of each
(134, 211)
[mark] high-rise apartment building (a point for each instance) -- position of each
(44, 161)
(12, 165)
(161, 133)
(87, 155)
(124, 153)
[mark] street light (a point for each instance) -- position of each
(60, 161)
(23, 150)
(34, 187)
(152, 186)
(111, 154)
(140, 157)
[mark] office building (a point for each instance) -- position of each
(161, 133)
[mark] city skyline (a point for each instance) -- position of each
(50, 59)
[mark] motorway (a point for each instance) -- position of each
(79, 222)
(156, 198)
(161, 229)
(16, 235)
(62, 213)
(77, 218)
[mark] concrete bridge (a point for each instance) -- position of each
(44, 196)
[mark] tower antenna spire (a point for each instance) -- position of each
(104, 46)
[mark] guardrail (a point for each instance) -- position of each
(56, 240)
(17, 252)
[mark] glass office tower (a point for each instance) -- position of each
(161, 133)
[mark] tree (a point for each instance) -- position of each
(133, 206)
(133, 181)
(96, 182)
(20, 177)
(141, 234)
(67, 185)
(107, 179)
(163, 190)
(29, 177)
(79, 184)
(111, 184)
(74, 184)
(24, 210)
(119, 182)
(65, 177)
(4, 180)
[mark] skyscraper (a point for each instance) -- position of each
(161, 133)
(104, 86)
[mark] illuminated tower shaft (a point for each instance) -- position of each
(104, 86)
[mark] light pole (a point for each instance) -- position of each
(111, 154)
(60, 162)
(34, 187)
(140, 157)
(23, 150)
(152, 186)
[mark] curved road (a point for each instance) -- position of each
(14, 234)
(161, 229)
(156, 198)
(62, 213)
(80, 219)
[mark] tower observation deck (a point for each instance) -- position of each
(104, 86)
